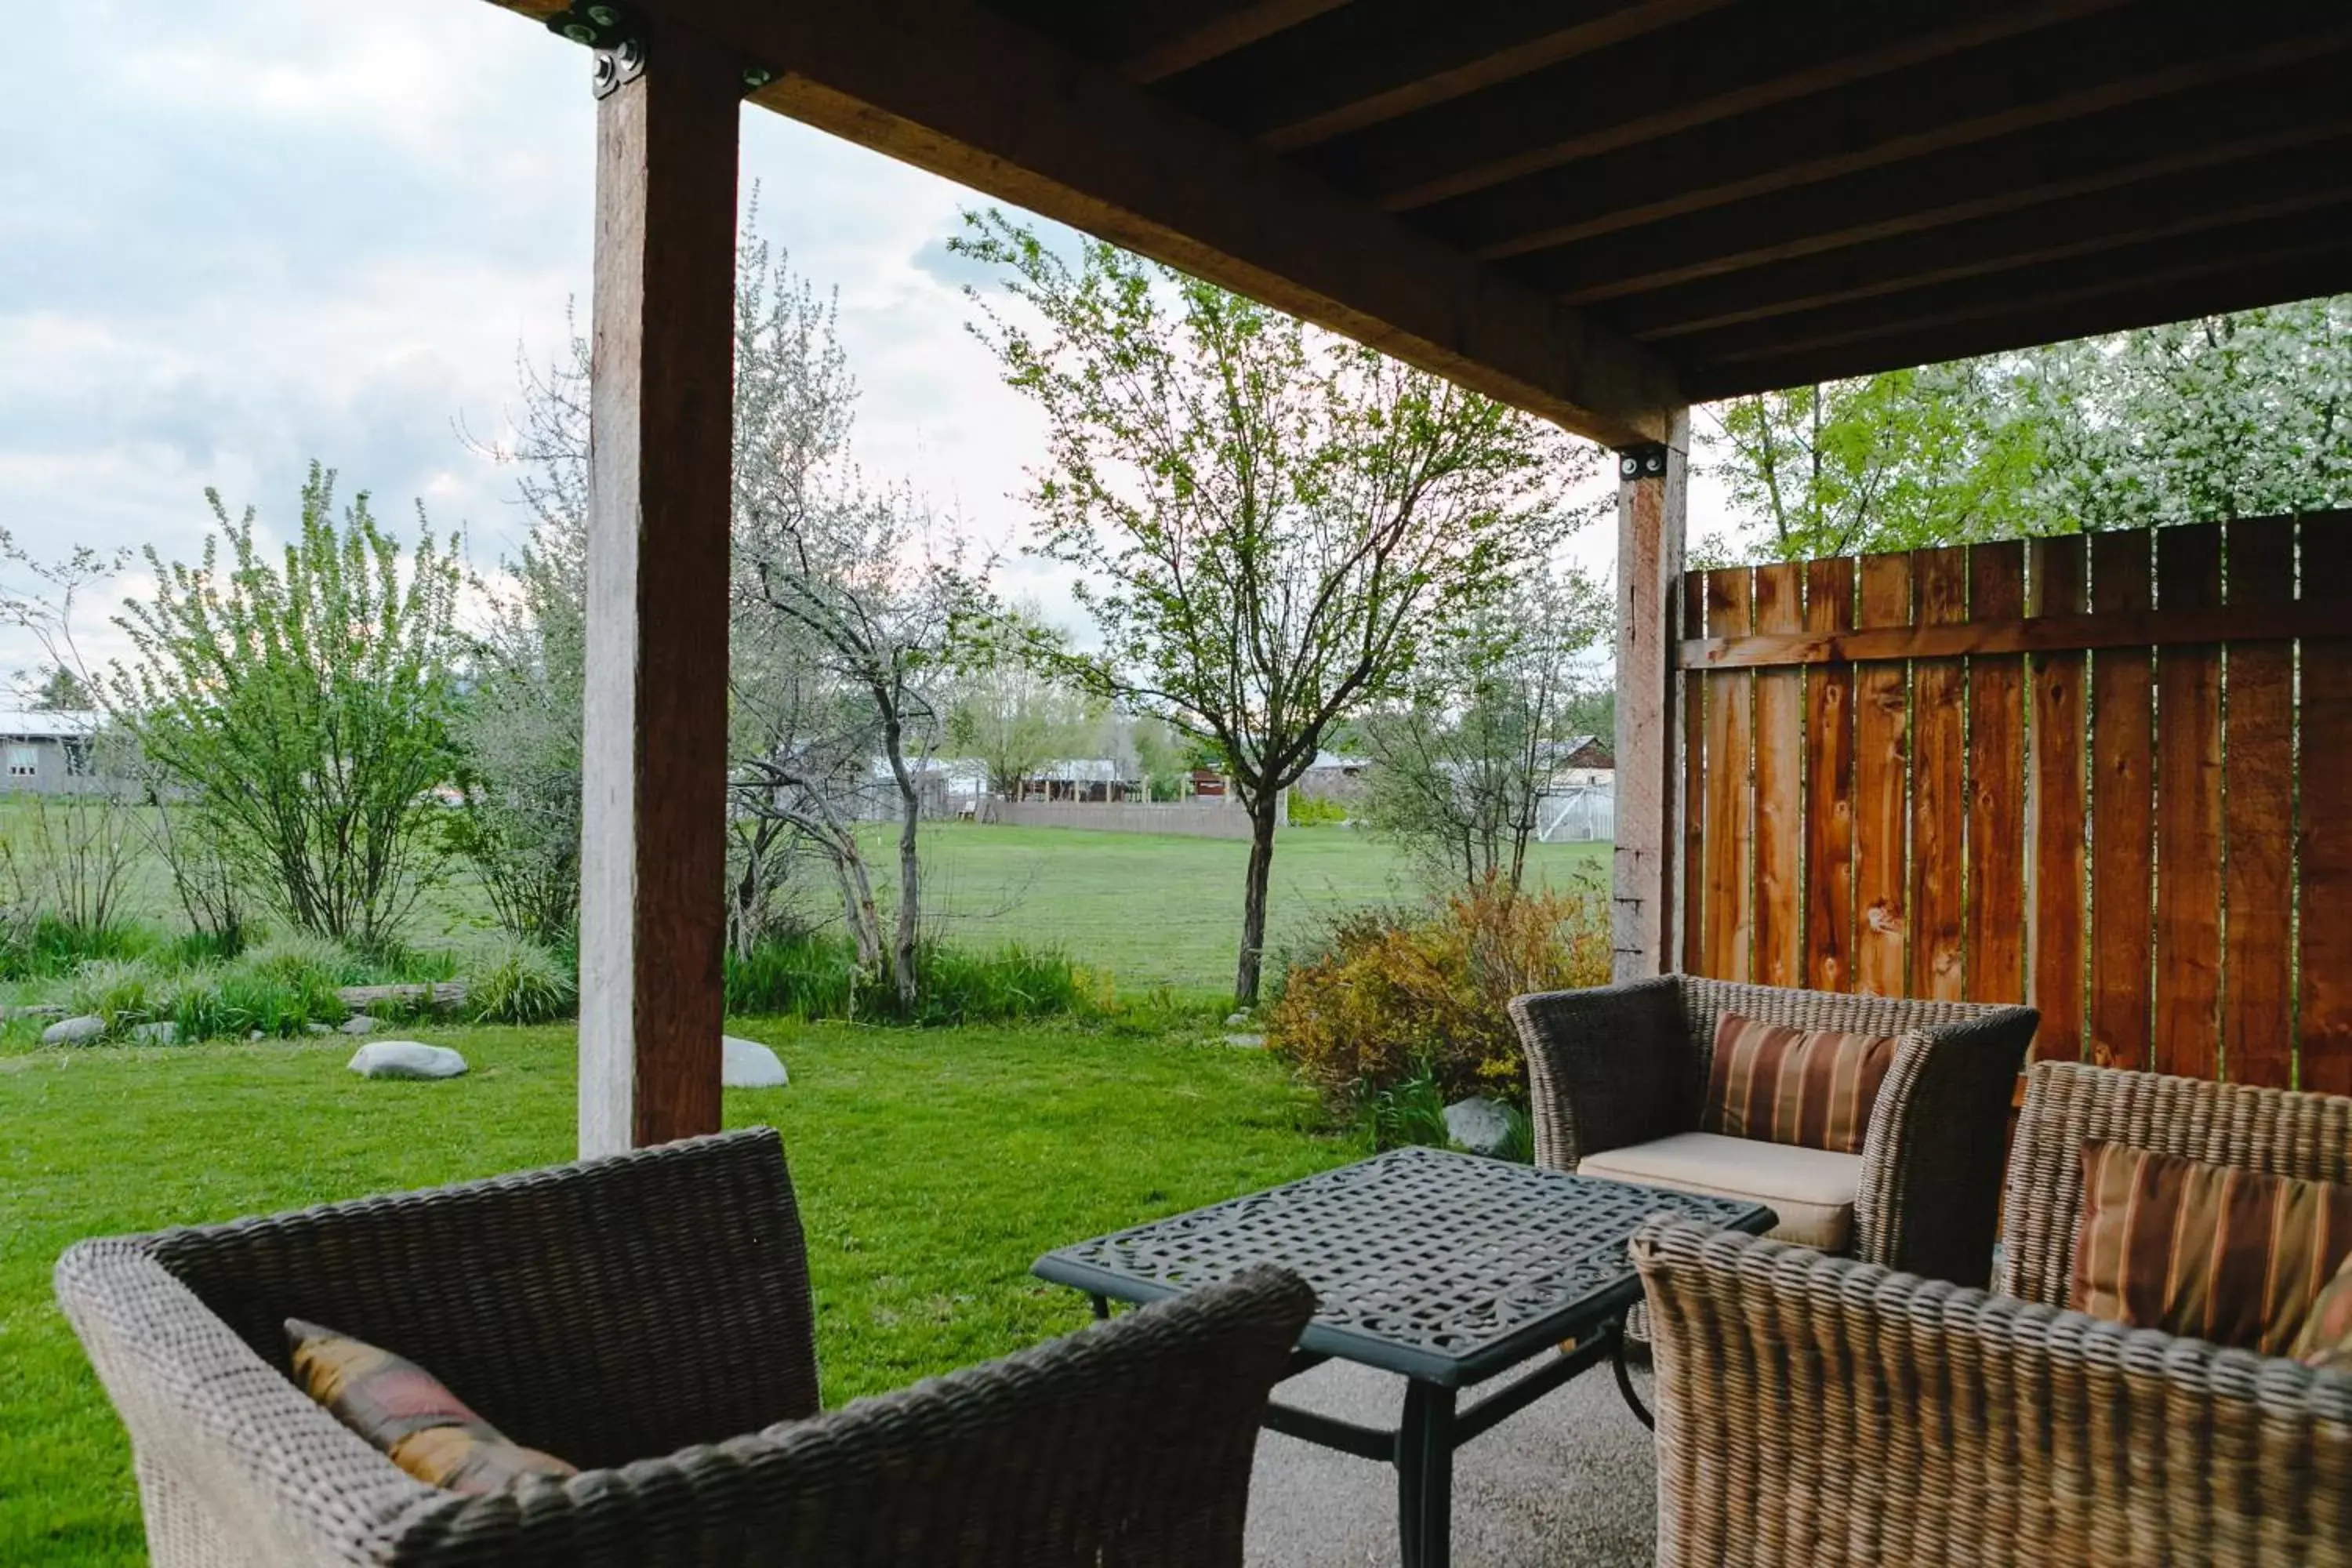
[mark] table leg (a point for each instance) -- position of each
(1102, 1308)
(1425, 1476)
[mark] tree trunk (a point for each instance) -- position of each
(1261, 864)
(902, 953)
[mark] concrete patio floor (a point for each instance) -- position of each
(1568, 1480)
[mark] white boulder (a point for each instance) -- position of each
(74, 1031)
(747, 1064)
(406, 1059)
(1480, 1125)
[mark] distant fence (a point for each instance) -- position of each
(2112, 773)
(1183, 818)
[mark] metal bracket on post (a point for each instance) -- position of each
(1645, 462)
(615, 31)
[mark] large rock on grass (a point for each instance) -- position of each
(1480, 1125)
(747, 1064)
(78, 1031)
(361, 1024)
(406, 1059)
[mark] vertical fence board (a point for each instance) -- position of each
(2058, 918)
(2122, 800)
(1694, 928)
(1829, 786)
(1779, 786)
(1881, 715)
(1996, 756)
(2188, 814)
(1938, 767)
(2258, 818)
(2324, 1017)
(1730, 799)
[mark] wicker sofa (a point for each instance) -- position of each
(1617, 1077)
(1820, 1410)
(648, 1317)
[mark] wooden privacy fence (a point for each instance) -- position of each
(2110, 774)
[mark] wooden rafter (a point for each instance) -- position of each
(1886, 124)
(1372, 60)
(1750, 59)
(956, 89)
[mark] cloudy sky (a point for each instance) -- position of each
(237, 235)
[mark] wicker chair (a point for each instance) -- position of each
(649, 1318)
(1624, 1066)
(1820, 1410)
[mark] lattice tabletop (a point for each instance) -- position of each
(1445, 1267)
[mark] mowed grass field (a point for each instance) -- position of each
(1148, 910)
(932, 1168)
(1153, 909)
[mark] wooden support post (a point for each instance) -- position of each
(1650, 513)
(651, 852)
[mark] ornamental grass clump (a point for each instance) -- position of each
(520, 983)
(1395, 990)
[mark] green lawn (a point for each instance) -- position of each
(932, 1168)
(1154, 910)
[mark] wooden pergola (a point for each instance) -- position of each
(1596, 210)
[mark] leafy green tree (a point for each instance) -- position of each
(2238, 415)
(303, 706)
(1011, 715)
(1464, 760)
(1270, 524)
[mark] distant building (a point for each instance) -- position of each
(48, 754)
(1089, 781)
(1331, 776)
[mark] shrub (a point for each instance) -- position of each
(1315, 810)
(1394, 988)
(44, 947)
(520, 983)
(115, 989)
(816, 976)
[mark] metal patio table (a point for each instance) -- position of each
(1448, 1268)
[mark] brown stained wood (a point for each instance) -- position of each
(2188, 814)
(1730, 797)
(2059, 572)
(1938, 785)
(2034, 634)
(2258, 818)
(2324, 1054)
(1779, 786)
(1747, 59)
(1996, 759)
(2264, 114)
(2122, 805)
(2038, 92)
(653, 828)
(1373, 61)
(1881, 798)
(1649, 577)
(1829, 787)
(2312, 225)
(1690, 930)
(2110, 302)
(957, 88)
(1151, 42)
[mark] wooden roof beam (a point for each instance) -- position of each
(2266, 115)
(1372, 60)
(1750, 59)
(2075, 74)
(2319, 175)
(1149, 43)
(2116, 301)
(953, 88)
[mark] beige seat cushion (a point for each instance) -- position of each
(1811, 1190)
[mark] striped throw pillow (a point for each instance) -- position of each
(1813, 1089)
(2213, 1251)
(410, 1415)
(2326, 1341)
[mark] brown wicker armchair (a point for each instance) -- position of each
(1820, 1410)
(648, 1317)
(1621, 1067)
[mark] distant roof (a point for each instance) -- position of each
(26, 725)
(1334, 760)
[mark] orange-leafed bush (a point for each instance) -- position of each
(1393, 990)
